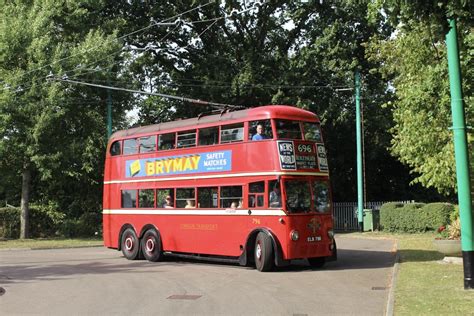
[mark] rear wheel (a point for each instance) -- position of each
(317, 262)
(130, 244)
(264, 257)
(151, 246)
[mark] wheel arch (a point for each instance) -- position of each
(147, 227)
(247, 255)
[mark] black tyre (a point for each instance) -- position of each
(151, 246)
(317, 262)
(264, 254)
(130, 244)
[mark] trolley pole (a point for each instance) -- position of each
(360, 189)
(109, 114)
(461, 155)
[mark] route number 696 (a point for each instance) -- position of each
(302, 148)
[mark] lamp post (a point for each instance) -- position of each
(461, 155)
(360, 187)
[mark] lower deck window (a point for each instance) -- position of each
(146, 198)
(231, 196)
(185, 198)
(207, 197)
(129, 198)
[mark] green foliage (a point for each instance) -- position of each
(9, 222)
(414, 217)
(44, 222)
(438, 214)
(57, 130)
(87, 225)
(47, 221)
(415, 63)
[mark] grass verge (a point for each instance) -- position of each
(425, 286)
(49, 243)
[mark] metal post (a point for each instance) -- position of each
(462, 158)
(360, 190)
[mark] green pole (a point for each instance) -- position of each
(360, 189)
(461, 155)
(109, 114)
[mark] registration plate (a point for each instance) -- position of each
(313, 238)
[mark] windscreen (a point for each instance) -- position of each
(298, 196)
(303, 196)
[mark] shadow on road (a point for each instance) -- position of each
(347, 260)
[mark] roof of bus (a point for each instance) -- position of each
(257, 113)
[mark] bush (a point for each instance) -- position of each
(9, 222)
(47, 221)
(438, 214)
(44, 221)
(87, 225)
(414, 217)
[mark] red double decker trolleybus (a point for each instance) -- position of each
(249, 186)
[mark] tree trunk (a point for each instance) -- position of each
(25, 203)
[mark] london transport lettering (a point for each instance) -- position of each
(182, 164)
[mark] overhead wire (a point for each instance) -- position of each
(195, 101)
(215, 20)
(119, 38)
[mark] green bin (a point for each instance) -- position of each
(371, 220)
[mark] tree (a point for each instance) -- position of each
(282, 53)
(415, 63)
(51, 134)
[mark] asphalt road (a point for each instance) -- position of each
(99, 281)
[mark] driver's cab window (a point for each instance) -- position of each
(298, 196)
(260, 130)
(274, 194)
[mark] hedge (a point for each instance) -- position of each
(414, 217)
(45, 221)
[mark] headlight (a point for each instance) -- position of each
(331, 234)
(294, 235)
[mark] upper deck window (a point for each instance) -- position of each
(208, 136)
(232, 133)
(312, 131)
(147, 144)
(116, 148)
(166, 141)
(288, 129)
(259, 130)
(130, 146)
(187, 139)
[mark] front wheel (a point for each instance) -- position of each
(264, 255)
(130, 244)
(151, 246)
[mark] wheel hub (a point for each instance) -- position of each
(258, 251)
(129, 243)
(150, 245)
